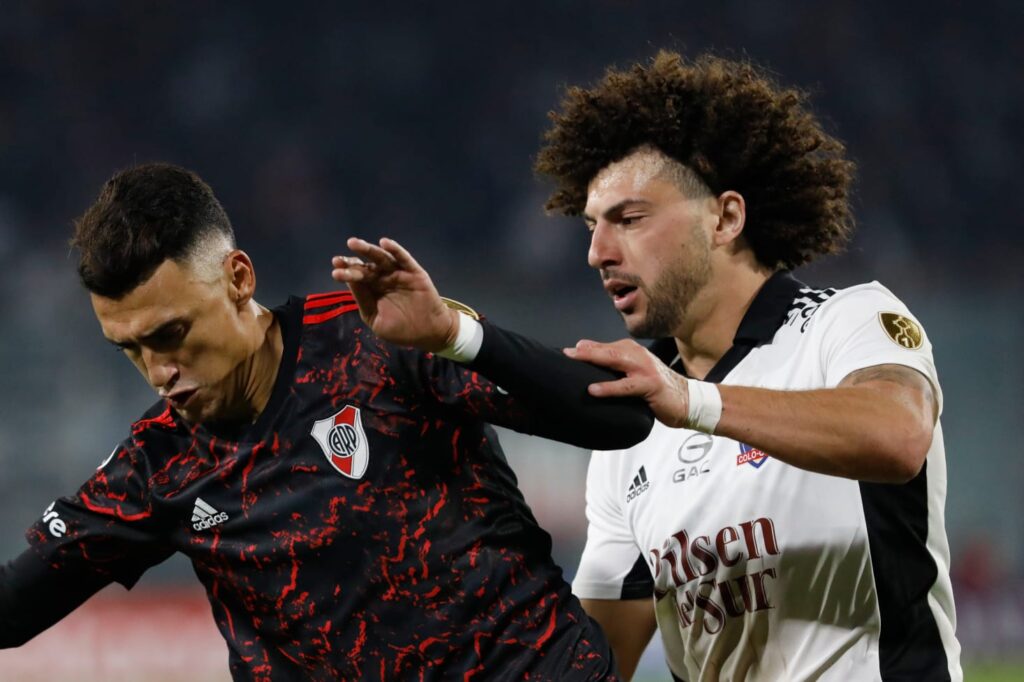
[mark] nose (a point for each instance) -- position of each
(161, 370)
(604, 249)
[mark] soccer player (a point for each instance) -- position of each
(342, 499)
(786, 512)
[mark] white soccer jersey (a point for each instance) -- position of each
(762, 571)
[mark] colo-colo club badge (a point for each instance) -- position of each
(343, 441)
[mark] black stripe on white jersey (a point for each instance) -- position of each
(909, 647)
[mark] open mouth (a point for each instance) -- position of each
(623, 296)
(181, 398)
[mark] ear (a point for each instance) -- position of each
(732, 210)
(241, 277)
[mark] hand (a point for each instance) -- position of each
(396, 297)
(646, 377)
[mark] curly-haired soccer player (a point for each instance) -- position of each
(786, 513)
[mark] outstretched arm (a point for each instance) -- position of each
(399, 302)
(34, 596)
(876, 425)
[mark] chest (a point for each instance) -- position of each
(683, 490)
(330, 473)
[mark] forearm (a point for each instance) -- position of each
(34, 596)
(857, 432)
(555, 386)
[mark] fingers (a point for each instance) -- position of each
(402, 257)
(371, 253)
(347, 269)
(626, 357)
(621, 356)
(624, 387)
(372, 261)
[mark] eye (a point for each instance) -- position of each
(169, 338)
(129, 349)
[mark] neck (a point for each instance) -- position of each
(714, 316)
(260, 372)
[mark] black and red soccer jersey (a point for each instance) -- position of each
(365, 527)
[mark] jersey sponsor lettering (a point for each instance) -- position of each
(691, 569)
(693, 454)
(54, 523)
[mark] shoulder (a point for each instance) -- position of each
(156, 425)
(869, 294)
(322, 308)
(159, 418)
(820, 307)
(327, 329)
(869, 303)
(323, 323)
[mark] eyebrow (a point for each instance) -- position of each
(615, 208)
(149, 336)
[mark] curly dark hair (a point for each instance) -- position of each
(144, 215)
(728, 122)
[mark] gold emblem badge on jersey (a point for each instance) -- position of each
(902, 330)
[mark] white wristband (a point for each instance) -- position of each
(705, 406)
(467, 342)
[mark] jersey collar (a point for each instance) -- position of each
(763, 318)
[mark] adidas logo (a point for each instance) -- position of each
(639, 485)
(204, 516)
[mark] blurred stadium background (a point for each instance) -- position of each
(419, 121)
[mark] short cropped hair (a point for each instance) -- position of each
(728, 122)
(144, 216)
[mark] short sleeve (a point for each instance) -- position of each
(612, 566)
(866, 326)
(107, 529)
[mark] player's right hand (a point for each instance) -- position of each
(396, 296)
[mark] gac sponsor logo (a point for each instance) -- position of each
(693, 454)
(54, 522)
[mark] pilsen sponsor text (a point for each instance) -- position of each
(681, 562)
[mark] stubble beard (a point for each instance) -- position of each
(670, 297)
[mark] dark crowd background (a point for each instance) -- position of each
(420, 121)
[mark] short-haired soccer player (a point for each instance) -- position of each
(342, 499)
(786, 513)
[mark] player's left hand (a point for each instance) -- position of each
(646, 377)
(396, 296)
